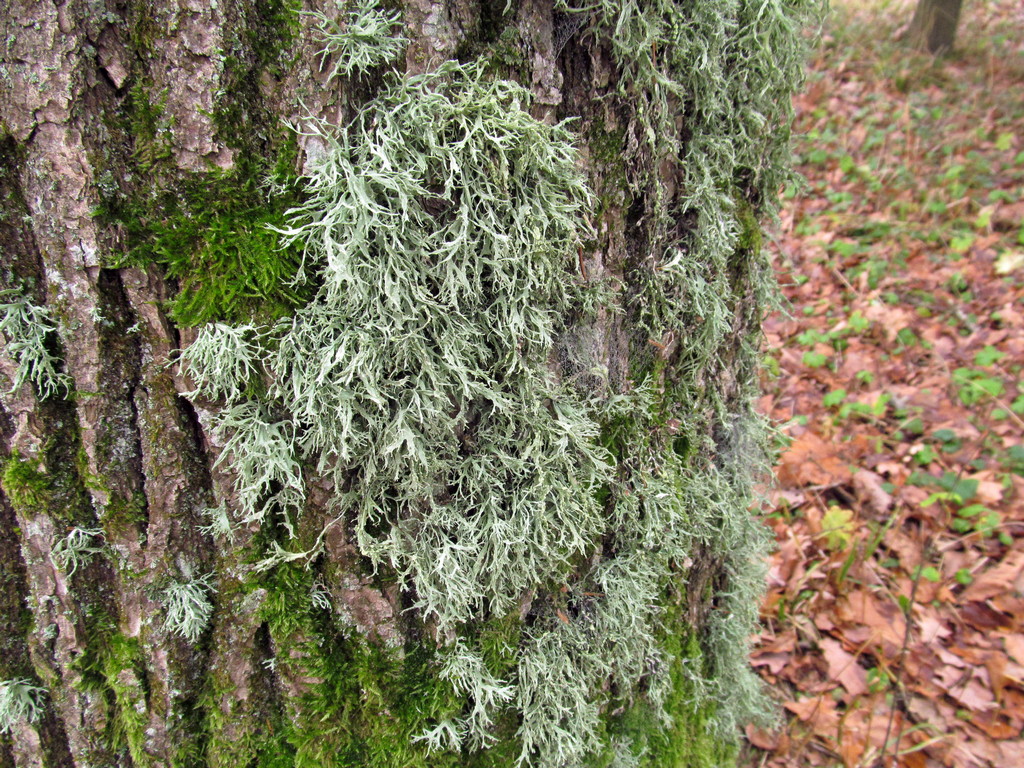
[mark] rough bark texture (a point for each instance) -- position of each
(933, 27)
(136, 138)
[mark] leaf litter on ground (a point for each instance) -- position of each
(893, 630)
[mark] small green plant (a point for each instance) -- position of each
(815, 359)
(1014, 460)
(77, 548)
(187, 607)
(834, 398)
(28, 329)
(869, 411)
(363, 40)
(978, 518)
(878, 680)
(963, 577)
(973, 385)
(867, 378)
(20, 701)
(837, 528)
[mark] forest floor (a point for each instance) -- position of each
(894, 623)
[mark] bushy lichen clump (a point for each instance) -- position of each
(187, 606)
(29, 331)
(417, 379)
(77, 548)
(714, 81)
(20, 702)
(441, 233)
(362, 40)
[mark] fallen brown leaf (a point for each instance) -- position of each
(996, 580)
(811, 461)
(982, 617)
(884, 620)
(819, 712)
(869, 489)
(843, 667)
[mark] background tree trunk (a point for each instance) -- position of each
(933, 27)
(144, 154)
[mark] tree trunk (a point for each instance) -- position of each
(933, 27)
(417, 434)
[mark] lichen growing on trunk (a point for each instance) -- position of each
(468, 461)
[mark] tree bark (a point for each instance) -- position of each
(933, 28)
(160, 606)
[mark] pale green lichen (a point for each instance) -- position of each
(262, 451)
(714, 84)
(362, 40)
(467, 671)
(417, 378)
(20, 702)
(77, 548)
(187, 607)
(222, 360)
(219, 523)
(28, 329)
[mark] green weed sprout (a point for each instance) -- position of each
(187, 606)
(27, 328)
(360, 42)
(20, 701)
(76, 549)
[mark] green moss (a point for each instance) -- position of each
(257, 50)
(49, 484)
(608, 153)
(20, 262)
(111, 668)
(364, 704)
(367, 704)
(498, 41)
(212, 235)
(688, 739)
(499, 639)
(27, 488)
(121, 513)
(750, 236)
(152, 146)
(209, 229)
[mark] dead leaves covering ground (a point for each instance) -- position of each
(893, 625)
